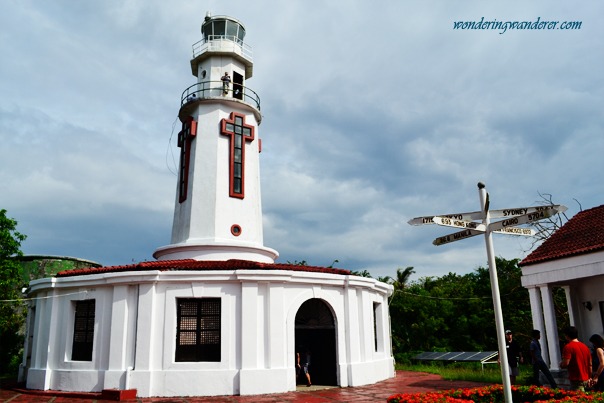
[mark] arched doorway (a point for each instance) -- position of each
(315, 329)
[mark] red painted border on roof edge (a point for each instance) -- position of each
(191, 264)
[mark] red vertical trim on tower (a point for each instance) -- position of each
(185, 137)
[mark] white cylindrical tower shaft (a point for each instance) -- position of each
(218, 209)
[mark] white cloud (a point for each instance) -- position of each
(373, 114)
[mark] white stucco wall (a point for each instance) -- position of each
(135, 331)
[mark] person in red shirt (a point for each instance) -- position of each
(576, 358)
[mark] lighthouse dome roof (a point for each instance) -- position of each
(222, 26)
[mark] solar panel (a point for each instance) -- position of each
(430, 356)
(452, 355)
(485, 356)
(480, 356)
(465, 357)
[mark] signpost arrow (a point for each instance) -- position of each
(475, 215)
(510, 212)
(516, 231)
(525, 218)
(451, 222)
(456, 236)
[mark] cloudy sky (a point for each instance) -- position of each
(373, 113)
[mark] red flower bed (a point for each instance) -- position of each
(494, 394)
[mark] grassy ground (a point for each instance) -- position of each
(464, 371)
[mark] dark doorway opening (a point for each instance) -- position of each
(237, 85)
(315, 330)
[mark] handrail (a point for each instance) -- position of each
(222, 43)
(215, 89)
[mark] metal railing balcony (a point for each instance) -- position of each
(215, 89)
(222, 43)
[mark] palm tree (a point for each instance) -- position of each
(402, 277)
(385, 279)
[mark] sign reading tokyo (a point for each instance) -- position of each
(475, 215)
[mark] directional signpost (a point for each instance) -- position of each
(512, 218)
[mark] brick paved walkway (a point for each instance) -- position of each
(404, 382)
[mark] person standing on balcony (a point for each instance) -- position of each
(226, 83)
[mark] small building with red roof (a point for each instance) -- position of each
(571, 258)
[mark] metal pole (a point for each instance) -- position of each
(503, 359)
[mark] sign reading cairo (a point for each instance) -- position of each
(526, 218)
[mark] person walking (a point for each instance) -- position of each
(514, 355)
(598, 362)
(576, 358)
(304, 364)
(539, 363)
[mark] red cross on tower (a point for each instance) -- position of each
(239, 133)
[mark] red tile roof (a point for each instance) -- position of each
(583, 233)
(190, 264)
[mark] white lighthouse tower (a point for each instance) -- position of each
(214, 315)
(218, 209)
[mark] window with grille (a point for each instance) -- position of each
(375, 324)
(198, 329)
(83, 330)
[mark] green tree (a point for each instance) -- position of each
(11, 312)
(455, 312)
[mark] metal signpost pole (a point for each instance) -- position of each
(513, 217)
(503, 359)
